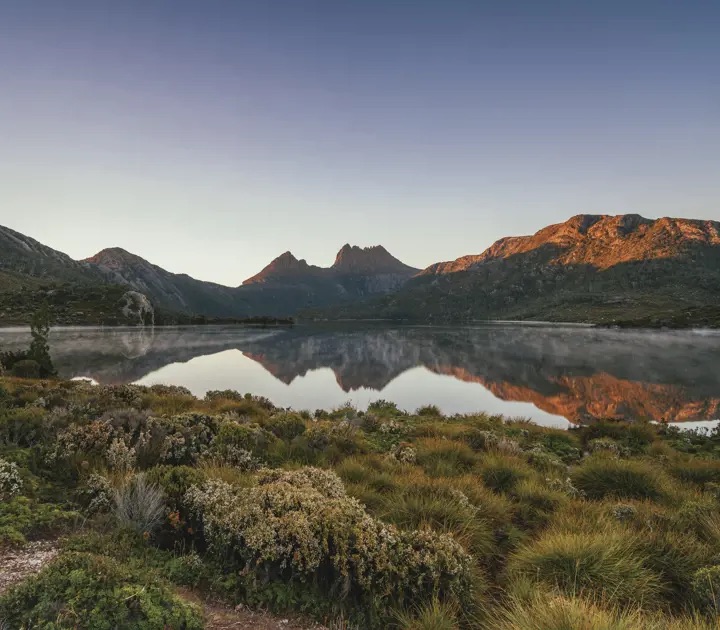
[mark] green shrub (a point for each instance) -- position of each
(706, 589)
(384, 408)
(624, 479)
(635, 436)
(563, 444)
(175, 481)
(697, 471)
(285, 426)
(187, 570)
(82, 590)
(301, 525)
(27, 368)
(24, 427)
(432, 411)
(23, 517)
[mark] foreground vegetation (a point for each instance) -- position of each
(379, 518)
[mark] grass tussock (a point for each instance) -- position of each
(603, 477)
(607, 566)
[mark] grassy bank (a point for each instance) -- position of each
(380, 518)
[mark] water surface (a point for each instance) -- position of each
(551, 374)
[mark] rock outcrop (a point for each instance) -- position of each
(136, 308)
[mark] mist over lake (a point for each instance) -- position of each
(551, 374)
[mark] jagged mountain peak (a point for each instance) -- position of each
(351, 260)
(285, 266)
(368, 260)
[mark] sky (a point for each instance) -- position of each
(210, 136)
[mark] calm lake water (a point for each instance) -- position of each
(553, 375)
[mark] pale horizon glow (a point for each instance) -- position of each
(210, 137)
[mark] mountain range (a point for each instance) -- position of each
(622, 269)
(283, 288)
(591, 268)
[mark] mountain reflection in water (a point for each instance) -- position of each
(545, 373)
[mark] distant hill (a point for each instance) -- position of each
(178, 292)
(591, 268)
(281, 289)
(26, 262)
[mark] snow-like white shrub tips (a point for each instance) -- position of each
(10, 481)
(302, 524)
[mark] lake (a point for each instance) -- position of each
(555, 375)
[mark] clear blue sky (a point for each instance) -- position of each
(209, 136)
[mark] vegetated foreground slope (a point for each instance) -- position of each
(382, 518)
(592, 268)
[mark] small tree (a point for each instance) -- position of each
(39, 348)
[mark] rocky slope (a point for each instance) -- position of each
(593, 268)
(178, 292)
(26, 262)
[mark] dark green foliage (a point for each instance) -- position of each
(706, 589)
(697, 471)
(564, 445)
(39, 348)
(27, 368)
(23, 427)
(82, 590)
(285, 426)
(636, 436)
(384, 408)
(23, 518)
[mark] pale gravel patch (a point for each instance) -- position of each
(17, 564)
(219, 616)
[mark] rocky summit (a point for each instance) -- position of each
(351, 260)
(601, 241)
(622, 269)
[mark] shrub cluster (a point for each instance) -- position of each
(302, 525)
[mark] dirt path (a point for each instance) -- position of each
(21, 563)
(221, 617)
